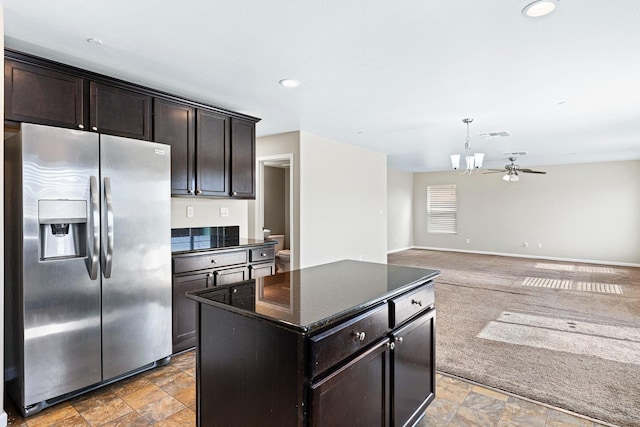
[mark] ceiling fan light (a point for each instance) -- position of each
(455, 161)
(478, 157)
(514, 178)
(505, 177)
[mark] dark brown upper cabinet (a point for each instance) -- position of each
(212, 154)
(120, 112)
(243, 158)
(40, 95)
(174, 124)
(212, 149)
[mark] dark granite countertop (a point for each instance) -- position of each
(307, 300)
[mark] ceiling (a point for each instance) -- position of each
(393, 76)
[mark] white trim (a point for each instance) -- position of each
(586, 261)
(3, 419)
(400, 250)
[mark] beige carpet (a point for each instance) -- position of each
(563, 333)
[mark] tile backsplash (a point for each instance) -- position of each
(189, 239)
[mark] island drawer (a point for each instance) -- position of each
(406, 306)
(261, 254)
(332, 346)
(210, 260)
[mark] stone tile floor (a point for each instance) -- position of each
(165, 397)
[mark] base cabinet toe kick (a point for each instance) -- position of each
(374, 366)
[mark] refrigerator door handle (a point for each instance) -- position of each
(108, 253)
(94, 232)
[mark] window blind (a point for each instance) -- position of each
(442, 209)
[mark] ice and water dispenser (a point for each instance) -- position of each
(63, 229)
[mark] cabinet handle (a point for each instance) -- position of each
(391, 345)
(263, 254)
(399, 340)
(80, 126)
(93, 128)
(416, 302)
(359, 335)
(235, 193)
(198, 191)
(209, 274)
(189, 191)
(213, 261)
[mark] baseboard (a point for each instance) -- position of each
(586, 261)
(400, 250)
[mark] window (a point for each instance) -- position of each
(441, 209)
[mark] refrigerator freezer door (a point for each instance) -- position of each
(136, 246)
(61, 310)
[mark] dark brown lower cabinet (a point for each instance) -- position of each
(184, 310)
(356, 394)
(356, 372)
(413, 387)
(196, 271)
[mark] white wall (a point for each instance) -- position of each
(587, 212)
(399, 210)
(206, 213)
(343, 202)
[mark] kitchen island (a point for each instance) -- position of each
(346, 343)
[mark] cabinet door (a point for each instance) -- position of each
(38, 95)
(262, 270)
(243, 158)
(212, 153)
(413, 369)
(120, 112)
(230, 275)
(174, 124)
(184, 310)
(356, 395)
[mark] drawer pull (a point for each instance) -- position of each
(263, 254)
(417, 302)
(359, 336)
(213, 261)
(391, 345)
(399, 340)
(209, 274)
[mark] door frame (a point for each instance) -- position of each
(259, 206)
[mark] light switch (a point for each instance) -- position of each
(224, 211)
(189, 211)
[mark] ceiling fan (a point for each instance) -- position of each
(512, 171)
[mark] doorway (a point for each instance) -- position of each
(274, 209)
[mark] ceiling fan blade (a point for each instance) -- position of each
(496, 170)
(493, 171)
(532, 171)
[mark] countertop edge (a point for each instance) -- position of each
(322, 324)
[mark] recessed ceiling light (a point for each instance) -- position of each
(289, 83)
(92, 40)
(539, 8)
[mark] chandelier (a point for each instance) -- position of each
(473, 160)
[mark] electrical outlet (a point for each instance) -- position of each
(525, 244)
(539, 245)
(189, 211)
(468, 240)
(224, 211)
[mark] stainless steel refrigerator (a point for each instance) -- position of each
(87, 261)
